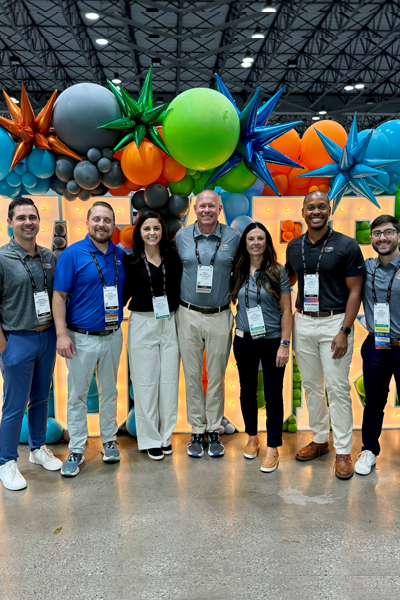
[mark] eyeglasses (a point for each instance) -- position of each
(376, 234)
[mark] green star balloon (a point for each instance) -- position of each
(140, 118)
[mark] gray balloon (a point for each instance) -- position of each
(164, 212)
(104, 165)
(107, 153)
(173, 225)
(94, 154)
(73, 187)
(60, 229)
(85, 195)
(58, 186)
(79, 111)
(114, 178)
(87, 175)
(156, 195)
(179, 205)
(68, 196)
(138, 200)
(64, 168)
(100, 190)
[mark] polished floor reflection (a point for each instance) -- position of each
(203, 529)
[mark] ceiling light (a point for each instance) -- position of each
(245, 65)
(258, 34)
(92, 16)
(292, 63)
(359, 85)
(315, 118)
(269, 9)
(101, 42)
(370, 100)
(349, 87)
(322, 111)
(248, 58)
(15, 60)
(14, 99)
(116, 79)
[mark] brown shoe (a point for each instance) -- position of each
(344, 466)
(311, 451)
(251, 448)
(270, 462)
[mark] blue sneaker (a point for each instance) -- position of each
(195, 447)
(70, 466)
(110, 452)
(215, 446)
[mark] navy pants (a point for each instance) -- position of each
(378, 368)
(27, 366)
(248, 353)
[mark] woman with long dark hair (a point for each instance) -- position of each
(152, 285)
(263, 327)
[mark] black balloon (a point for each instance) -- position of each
(173, 226)
(58, 186)
(104, 165)
(64, 168)
(73, 187)
(59, 242)
(138, 200)
(85, 195)
(60, 229)
(100, 190)
(179, 205)
(87, 175)
(94, 154)
(115, 178)
(107, 153)
(68, 196)
(156, 195)
(164, 212)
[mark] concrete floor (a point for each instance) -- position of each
(205, 529)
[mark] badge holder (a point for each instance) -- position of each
(42, 306)
(382, 326)
(311, 293)
(204, 280)
(111, 307)
(161, 308)
(256, 322)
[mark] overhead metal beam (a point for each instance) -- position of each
(130, 34)
(179, 46)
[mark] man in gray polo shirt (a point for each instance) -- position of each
(27, 342)
(207, 250)
(381, 348)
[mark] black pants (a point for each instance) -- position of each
(248, 353)
(378, 368)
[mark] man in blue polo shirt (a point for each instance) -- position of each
(88, 310)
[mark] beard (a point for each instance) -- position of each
(101, 236)
(391, 248)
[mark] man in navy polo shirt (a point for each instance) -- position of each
(88, 310)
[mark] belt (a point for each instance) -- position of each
(98, 333)
(327, 313)
(41, 327)
(204, 309)
(392, 342)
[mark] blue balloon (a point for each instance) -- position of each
(29, 180)
(131, 422)
(229, 428)
(383, 179)
(392, 132)
(21, 168)
(8, 191)
(24, 436)
(392, 188)
(241, 222)
(41, 163)
(13, 179)
(221, 430)
(10, 232)
(258, 186)
(93, 389)
(131, 391)
(6, 153)
(54, 431)
(235, 205)
(92, 403)
(42, 187)
(50, 412)
(378, 146)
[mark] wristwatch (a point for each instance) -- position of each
(285, 342)
(347, 330)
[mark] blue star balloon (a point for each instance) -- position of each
(254, 138)
(352, 172)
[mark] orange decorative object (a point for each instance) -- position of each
(289, 145)
(133, 187)
(141, 165)
(126, 236)
(281, 181)
(287, 236)
(299, 183)
(121, 191)
(118, 154)
(172, 170)
(32, 131)
(312, 151)
(298, 230)
(287, 225)
(313, 188)
(115, 236)
(324, 187)
(162, 180)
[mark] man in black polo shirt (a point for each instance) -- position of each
(329, 268)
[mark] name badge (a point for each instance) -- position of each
(160, 307)
(382, 326)
(42, 306)
(311, 291)
(111, 307)
(204, 280)
(256, 322)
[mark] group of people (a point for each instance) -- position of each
(180, 299)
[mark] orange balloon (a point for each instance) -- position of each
(281, 181)
(162, 180)
(121, 191)
(115, 236)
(312, 150)
(141, 165)
(298, 230)
(324, 187)
(289, 145)
(118, 154)
(293, 192)
(287, 236)
(287, 225)
(126, 236)
(299, 183)
(313, 188)
(172, 170)
(133, 187)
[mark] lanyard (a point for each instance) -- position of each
(164, 276)
(320, 256)
(101, 274)
(247, 293)
(389, 291)
(30, 274)
(216, 249)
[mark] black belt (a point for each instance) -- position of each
(392, 341)
(205, 309)
(98, 333)
(327, 313)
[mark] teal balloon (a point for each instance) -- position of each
(241, 222)
(201, 128)
(10, 232)
(92, 404)
(8, 191)
(14, 179)
(93, 390)
(51, 412)
(378, 147)
(41, 163)
(20, 168)
(235, 205)
(239, 179)
(131, 391)
(24, 435)
(42, 187)
(6, 153)
(54, 431)
(131, 423)
(29, 180)
(391, 130)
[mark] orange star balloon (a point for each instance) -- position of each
(31, 130)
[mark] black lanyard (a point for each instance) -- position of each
(320, 256)
(216, 249)
(247, 292)
(389, 291)
(101, 274)
(30, 274)
(164, 276)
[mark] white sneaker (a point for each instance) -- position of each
(11, 477)
(366, 460)
(46, 458)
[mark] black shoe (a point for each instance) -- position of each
(215, 446)
(195, 447)
(155, 453)
(167, 449)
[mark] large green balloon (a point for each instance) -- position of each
(201, 129)
(184, 186)
(238, 180)
(362, 236)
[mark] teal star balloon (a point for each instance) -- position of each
(351, 170)
(140, 118)
(254, 138)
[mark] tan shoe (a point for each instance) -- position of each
(270, 462)
(344, 466)
(311, 451)
(251, 448)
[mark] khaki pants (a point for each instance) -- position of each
(154, 364)
(312, 339)
(213, 333)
